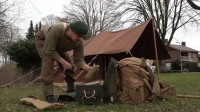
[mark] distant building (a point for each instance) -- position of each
(182, 53)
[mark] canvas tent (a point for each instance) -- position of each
(137, 41)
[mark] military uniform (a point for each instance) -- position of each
(52, 44)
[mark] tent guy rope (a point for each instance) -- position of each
(21, 77)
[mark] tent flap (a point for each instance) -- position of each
(139, 40)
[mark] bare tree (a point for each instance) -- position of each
(98, 14)
(193, 5)
(8, 36)
(170, 15)
(50, 20)
(9, 12)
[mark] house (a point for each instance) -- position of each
(181, 53)
(199, 57)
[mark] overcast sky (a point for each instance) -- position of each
(37, 9)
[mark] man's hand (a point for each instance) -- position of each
(92, 72)
(65, 64)
(86, 67)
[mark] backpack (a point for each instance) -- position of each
(136, 81)
(132, 81)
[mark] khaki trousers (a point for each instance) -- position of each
(47, 70)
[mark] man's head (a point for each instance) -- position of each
(79, 28)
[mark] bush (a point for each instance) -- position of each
(192, 67)
(9, 73)
(24, 53)
(189, 66)
(176, 65)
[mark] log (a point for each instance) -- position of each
(187, 96)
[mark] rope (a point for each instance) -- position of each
(32, 82)
(20, 77)
(85, 95)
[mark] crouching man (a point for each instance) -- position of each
(52, 44)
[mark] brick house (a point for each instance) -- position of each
(181, 53)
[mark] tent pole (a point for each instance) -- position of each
(130, 53)
(104, 75)
(155, 46)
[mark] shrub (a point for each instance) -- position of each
(10, 73)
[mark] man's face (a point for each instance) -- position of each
(75, 37)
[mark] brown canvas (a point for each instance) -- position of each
(138, 40)
(41, 105)
(136, 85)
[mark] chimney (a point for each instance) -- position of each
(183, 43)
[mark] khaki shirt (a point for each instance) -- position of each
(56, 43)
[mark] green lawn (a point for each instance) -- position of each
(185, 83)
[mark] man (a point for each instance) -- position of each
(52, 44)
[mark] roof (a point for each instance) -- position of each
(182, 48)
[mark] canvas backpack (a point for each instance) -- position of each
(132, 81)
(137, 80)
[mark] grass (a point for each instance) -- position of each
(185, 83)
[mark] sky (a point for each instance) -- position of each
(37, 9)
